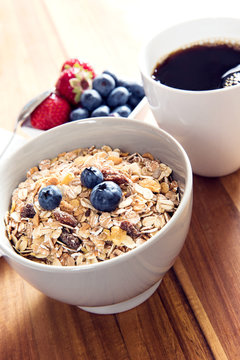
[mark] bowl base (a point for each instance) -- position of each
(124, 305)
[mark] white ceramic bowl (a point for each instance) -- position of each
(124, 282)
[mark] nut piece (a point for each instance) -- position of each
(116, 177)
(27, 211)
(130, 228)
(65, 218)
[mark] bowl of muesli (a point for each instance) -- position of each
(95, 212)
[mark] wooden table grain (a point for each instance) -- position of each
(195, 312)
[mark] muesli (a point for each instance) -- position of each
(75, 232)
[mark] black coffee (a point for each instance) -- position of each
(199, 67)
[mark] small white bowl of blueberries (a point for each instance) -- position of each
(80, 93)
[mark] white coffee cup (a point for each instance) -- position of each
(206, 123)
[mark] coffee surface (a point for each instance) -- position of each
(199, 67)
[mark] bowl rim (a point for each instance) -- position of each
(12, 255)
(153, 38)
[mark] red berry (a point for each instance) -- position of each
(53, 111)
(75, 63)
(73, 81)
(89, 68)
(70, 63)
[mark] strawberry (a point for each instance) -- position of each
(88, 67)
(74, 80)
(53, 111)
(71, 63)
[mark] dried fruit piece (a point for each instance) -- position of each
(67, 178)
(27, 211)
(130, 228)
(65, 218)
(150, 184)
(117, 235)
(70, 240)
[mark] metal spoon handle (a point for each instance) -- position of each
(24, 113)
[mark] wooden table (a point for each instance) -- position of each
(195, 313)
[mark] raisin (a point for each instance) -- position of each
(88, 212)
(27, 211)
(70, 240)
(65, 218)
(116, 177)
(129, 228)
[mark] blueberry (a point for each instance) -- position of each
(78, 114)
(118, 96)
(112, 75)
(121, 83)
(49, 197)
(133, 101)
(106, 196)
(91, 176)
(137, 93)
(135, 89)
(104, 84)
(91, 99)
(102, 110)
(122, 110)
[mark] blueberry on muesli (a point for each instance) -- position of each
(91, 176)
(106, 196)
(49, 197)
